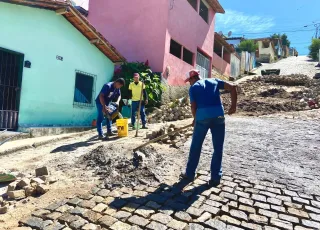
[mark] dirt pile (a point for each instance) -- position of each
(285, 80)
(117, 170)
(176, 110)
(263, 95)
(175, 139)
(273, 94)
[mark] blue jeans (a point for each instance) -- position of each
(217, 128)
(135, 107)
(100, 120)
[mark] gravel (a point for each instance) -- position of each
(293, 65)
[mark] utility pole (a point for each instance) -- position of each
(317, 29)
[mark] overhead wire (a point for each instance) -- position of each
(273, 32)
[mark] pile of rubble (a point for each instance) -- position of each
(286, 80)
(174, 111)
(175, 139)
(264, 95)
(118, 170)
(309, 96)
(25, 186)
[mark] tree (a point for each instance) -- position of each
(152, 81)
(275, 36)
(314, 49)
(247, 45)
(285, 40)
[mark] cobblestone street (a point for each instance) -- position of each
(293, 65)
(237, 203)
(114, 113)
(271, 181)
(282, 151)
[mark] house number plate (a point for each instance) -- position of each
(59, 58)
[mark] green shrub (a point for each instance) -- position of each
(247, 45)
(152, 81)
(314, 49)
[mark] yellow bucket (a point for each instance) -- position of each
(123, 127)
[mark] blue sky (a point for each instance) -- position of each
(257, 18)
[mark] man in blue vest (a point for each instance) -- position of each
(108, 93)
(207, 110)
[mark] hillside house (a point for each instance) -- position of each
(225, 59)
(173, 35)
(53, 64)
(266, 52)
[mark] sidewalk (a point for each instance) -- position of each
(18, 145)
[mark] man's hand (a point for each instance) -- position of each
(146, 102)
(234, 97)
(104, 109)
(108, 110)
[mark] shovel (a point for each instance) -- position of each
(141, 95)
(161, 137)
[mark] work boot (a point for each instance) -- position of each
(144, 127)
(213, 183)
(184, 177)
(184, 180)
(110, 134)
(103, 137)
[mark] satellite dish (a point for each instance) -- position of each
(220, 33)
(230, 33)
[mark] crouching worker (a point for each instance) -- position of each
(208, 113)
(109, 92)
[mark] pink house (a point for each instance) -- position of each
(173, 35)
(222, 52)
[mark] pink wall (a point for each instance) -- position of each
(178, 68)
(186, 27)
(141, 30)
(227, 57)
(136, 29)
(220, 64)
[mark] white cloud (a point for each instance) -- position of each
(239, 22)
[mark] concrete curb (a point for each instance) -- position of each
(36, 144)
(16, 149)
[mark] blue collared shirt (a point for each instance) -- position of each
(205, 93)
(110, 93)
